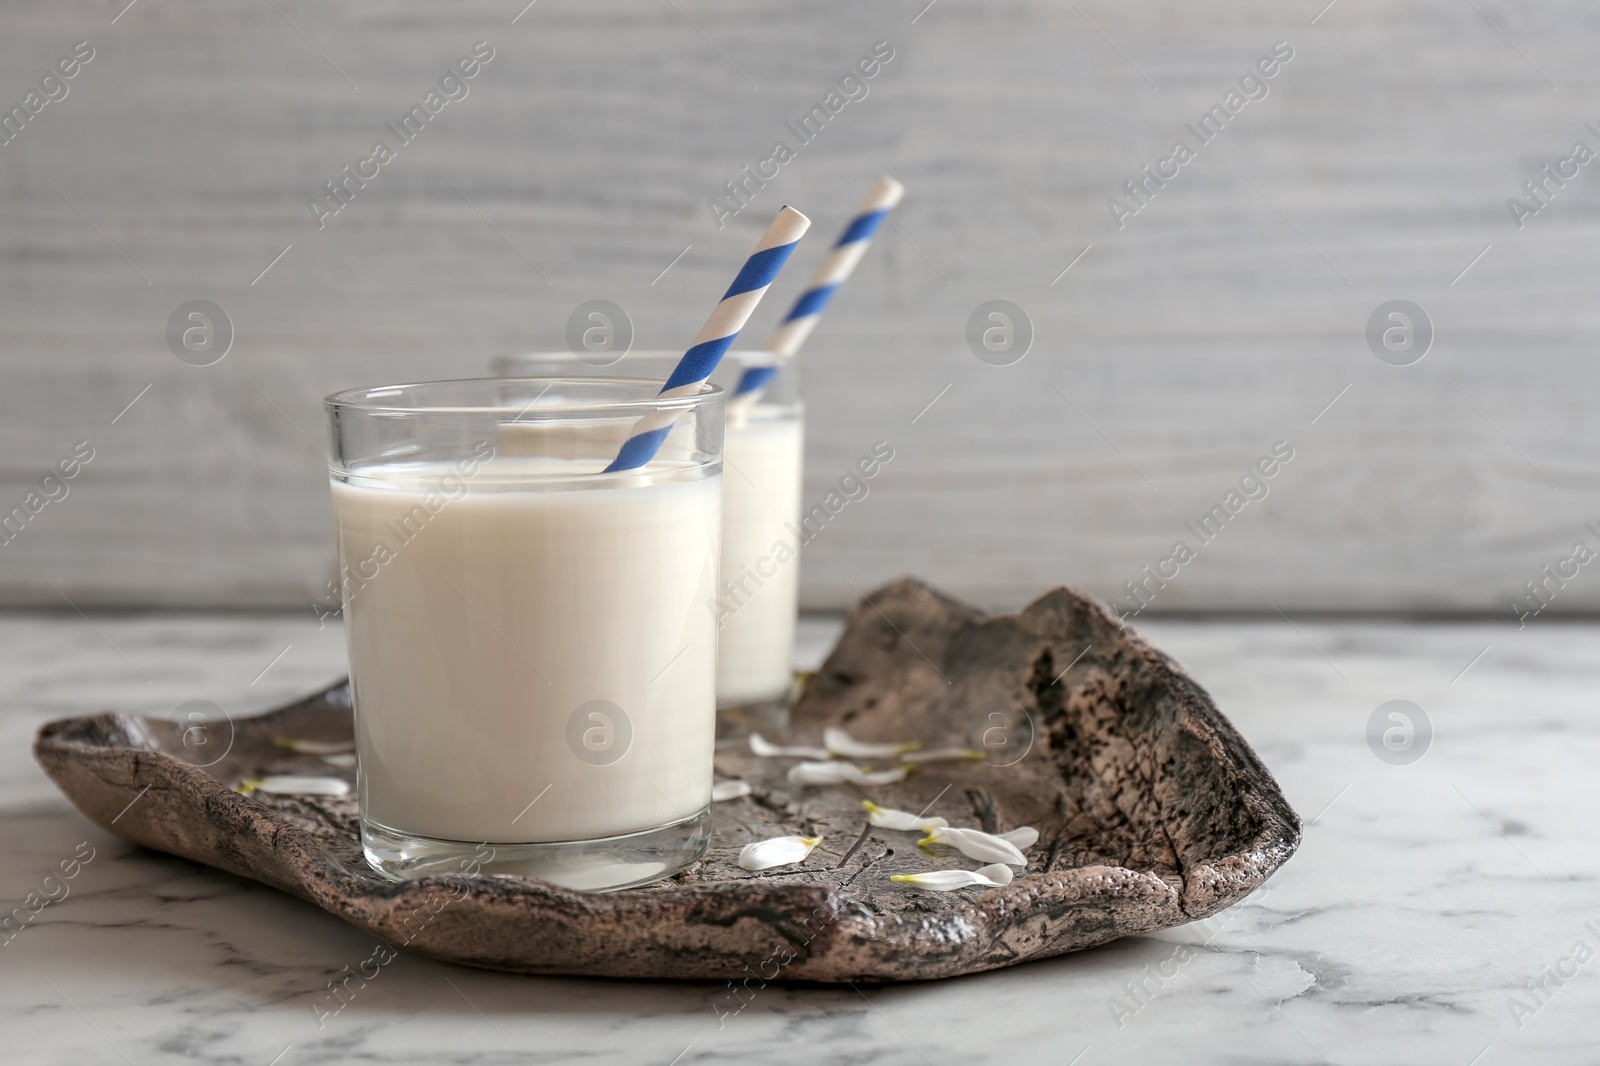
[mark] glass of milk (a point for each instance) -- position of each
(757, 592)
(532, 661)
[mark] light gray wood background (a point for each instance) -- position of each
(1224, 317)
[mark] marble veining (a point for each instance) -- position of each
(1431, 915)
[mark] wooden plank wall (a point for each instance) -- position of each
(1222, 317)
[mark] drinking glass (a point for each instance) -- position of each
(532, 661)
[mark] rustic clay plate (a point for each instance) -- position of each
(1152, 812)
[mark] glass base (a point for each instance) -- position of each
(582, 865)
(769, 717)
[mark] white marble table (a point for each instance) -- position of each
(1423, 900)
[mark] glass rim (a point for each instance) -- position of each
(367, 399)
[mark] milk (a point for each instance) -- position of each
(760, 576)
(531, 660)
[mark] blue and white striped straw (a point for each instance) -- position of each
(716, 336)
(846, 253)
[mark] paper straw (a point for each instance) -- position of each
(846, 253)
(716, 336)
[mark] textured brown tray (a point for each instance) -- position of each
(1152, 812)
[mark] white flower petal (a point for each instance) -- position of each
(839, 742)
(779, 851)
(839, 773)
(760, 745)
(889, 818)
(1024, 837)
(999, 873)
(729, 790)
(315, 747)
(950, 880)
(345, 760)
(976, 844)
(292, 785)
(945, 755)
